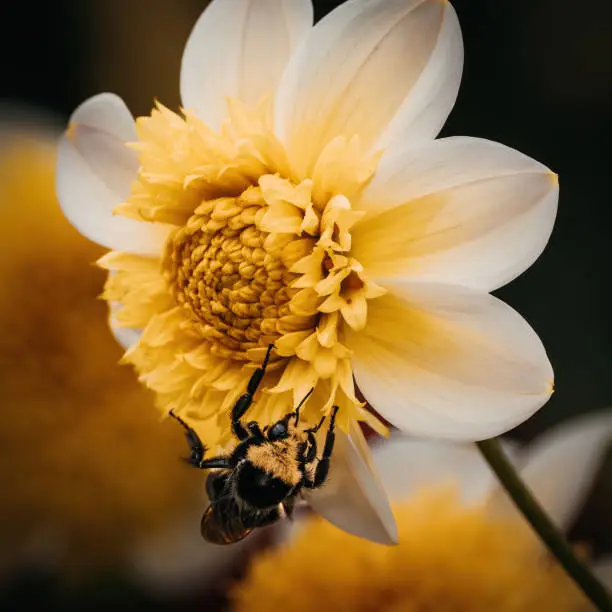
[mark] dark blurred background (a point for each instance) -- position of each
(537, 77)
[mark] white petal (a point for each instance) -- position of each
(559, 467)
(238, 49)
(408, 464)
(95, 171)
(603, 570)
(449, 362)
(386, 70)
(431, 99)
(353, 498)
(125, 336)
(457, 210)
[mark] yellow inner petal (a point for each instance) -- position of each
(258, 257)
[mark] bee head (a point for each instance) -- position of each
(278, 431)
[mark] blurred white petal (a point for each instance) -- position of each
(603, 570)
(559, 467)
(238, 49)
(95, 171)
(408, 464)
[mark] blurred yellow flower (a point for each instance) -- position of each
(87, 472)
(450, 558)
(463, 546)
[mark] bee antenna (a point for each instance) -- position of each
(297, 410)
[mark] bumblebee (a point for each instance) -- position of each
(259, 482)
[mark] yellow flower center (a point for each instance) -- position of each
(450, 557)
(257, 255)
(234, 285)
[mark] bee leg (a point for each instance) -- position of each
(311, 454)
(323, 464)
(245, 400)
(297, 410)
(255, 430)
(198, 450)
(316, 427)
(215, 463)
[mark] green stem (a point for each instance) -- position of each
(551, 536)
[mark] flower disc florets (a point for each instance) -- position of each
(234, 284)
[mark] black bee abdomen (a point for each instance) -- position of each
(260, 489)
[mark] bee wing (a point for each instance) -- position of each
(222, 523)
(353, 497)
